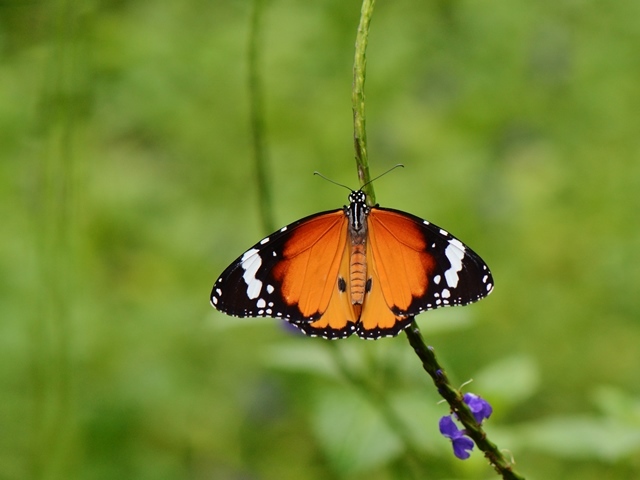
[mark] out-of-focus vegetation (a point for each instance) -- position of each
(127, 186)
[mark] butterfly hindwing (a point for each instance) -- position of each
(378, 320)
(421, 266)
(340, 318)
(289, 274)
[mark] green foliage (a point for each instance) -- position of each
(126, 186)
(352, 433)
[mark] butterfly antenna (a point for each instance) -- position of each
(370, 181)
(334, 182)
(383, 174)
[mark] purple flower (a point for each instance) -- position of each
(480, 408)
(462, 445)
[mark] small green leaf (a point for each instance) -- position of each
(421, 413)
(617, 404)
(445, 320)
(509, 380)
(351, 432)
(305, 357)
(580, 437)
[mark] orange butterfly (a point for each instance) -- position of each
(358, 269)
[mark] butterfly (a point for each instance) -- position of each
(358, 269)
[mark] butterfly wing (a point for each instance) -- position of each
(291, 274)
(378, 319)
(340, 317)
(301, 273)
(416, 266)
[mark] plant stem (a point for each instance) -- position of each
(454, 398)
(257, 116)
(359, 74)
(57, 204)
(380, 401)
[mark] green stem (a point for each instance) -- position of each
(454, 398)
(257, 116)
(381, 403)
(57, 202)
(359, 74)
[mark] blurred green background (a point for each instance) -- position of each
(127, 185)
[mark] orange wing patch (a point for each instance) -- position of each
(399, 258)
(398, 268)
(312, 256)
(338, 321)
(377, 318)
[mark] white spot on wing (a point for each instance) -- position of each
(249, 253)
(250, 264)
(444, 232)
(264, 240)
(270, 289)
(261, 303)
(446, 293)
(454, 254)
(457, 243)
(214, 300)
(437, 279)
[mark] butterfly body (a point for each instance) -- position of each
(359, 269)
(356, 214)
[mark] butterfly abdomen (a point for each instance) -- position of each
(357, 273)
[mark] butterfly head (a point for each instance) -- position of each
(357, 210)
(357, 196)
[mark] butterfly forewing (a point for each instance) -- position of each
(422, 266)
(287, 273)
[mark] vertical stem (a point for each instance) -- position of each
(380, 401)
(257, 116)
(56, 231)
(358, 98)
